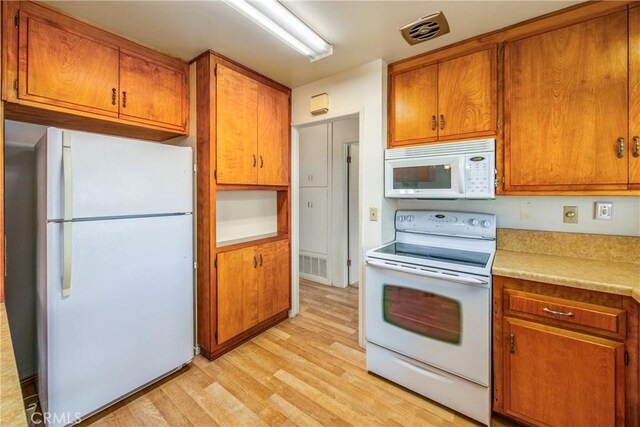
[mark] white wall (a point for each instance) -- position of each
(363, 91)
(545, 212)
(242, 214)
(20, 226)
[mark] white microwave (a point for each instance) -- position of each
(454, 170)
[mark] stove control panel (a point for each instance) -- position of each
(461, 224)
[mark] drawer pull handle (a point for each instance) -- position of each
(620, 147)
(636, 146)
(434, 126)
(557, 313)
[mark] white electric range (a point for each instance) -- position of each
(428, 308)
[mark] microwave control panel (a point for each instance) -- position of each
(479, 176)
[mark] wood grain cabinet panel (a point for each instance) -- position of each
(273, 136)
(566, 107)
(151, 92)
(467, 95)
(63, 67)
(413, 106)
(274, 290)
(634, 97)
(237, 121)
(237, 292)
(557, 377)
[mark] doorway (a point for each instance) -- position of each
(352, 154)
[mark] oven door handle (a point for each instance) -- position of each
(424, 273)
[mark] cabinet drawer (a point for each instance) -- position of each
(583, 315)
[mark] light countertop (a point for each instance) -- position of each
(11, 405)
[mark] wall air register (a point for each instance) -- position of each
(426, 28)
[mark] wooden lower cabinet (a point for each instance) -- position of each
(253, 287)
(564, 356)
(558, 377)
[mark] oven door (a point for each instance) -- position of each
(438, 321)
(437, 177)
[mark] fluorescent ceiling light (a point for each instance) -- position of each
(276, 19)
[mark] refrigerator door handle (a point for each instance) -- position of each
(68, 213)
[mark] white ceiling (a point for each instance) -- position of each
(360, 31)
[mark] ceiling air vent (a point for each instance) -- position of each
(425, 28)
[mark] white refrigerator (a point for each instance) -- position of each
(115, 268)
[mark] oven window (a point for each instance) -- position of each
(422, 177)
(423, 313)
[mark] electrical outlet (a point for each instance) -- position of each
(373, 214)
(570, 214)
(604, 210)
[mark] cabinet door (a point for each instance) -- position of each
(151, 92)
(566, 107)
(273, 136)
(467, 86)
(237, 292)
(413, 106)
(557, 377)
(305, 218)
(318, 229)
(314, 156)
(274, 286)
(236, 127)
(59, 66)
(634, 97)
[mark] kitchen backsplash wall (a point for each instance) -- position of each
(545, 212)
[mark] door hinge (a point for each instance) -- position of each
(215, 336)
(497, 124)
(348, 263)
(626, 358)
(16, 21)
(215, 174)
(215, 262)
(195, 168)
(512, 343)
(348, 159)
(15, 85)
(215, 71)
(195, 265)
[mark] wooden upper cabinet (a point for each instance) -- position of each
(273, 136)
(63, 67)
(237, 292)
(152, 92)
(557, 377)
(467, 95)
(274, 286)
(634, 97)
(452, 99)
(413, 106)
(566, 111)
(65, 72)
(236, 127)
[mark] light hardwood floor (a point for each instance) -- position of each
(306, 371)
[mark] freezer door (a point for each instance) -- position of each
(129, 318)
(113, 177)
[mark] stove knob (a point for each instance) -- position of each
(486, 224)
(401, 218)
(473, 222)
(410, 218)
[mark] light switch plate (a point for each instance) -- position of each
(373, 214)
(604, 210)
(570, 214)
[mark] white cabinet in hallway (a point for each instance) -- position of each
(314, 236)
(314, 156)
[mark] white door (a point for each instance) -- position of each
(305, 219)
(314, 156)
(129, 317)
(353, 218)
(318, 221)
(117, 177)
(439, 322)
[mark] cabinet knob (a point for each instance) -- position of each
(261, 162)
(434, 124)
(124, 99)
(255, 160)
(255, 261)
(261, 260)
(114, 94)
(442, 122)
(636, 146)
(620, 147)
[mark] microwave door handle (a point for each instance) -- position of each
(424, 273)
